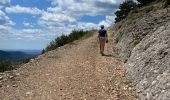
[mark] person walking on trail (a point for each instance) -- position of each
(102, 37)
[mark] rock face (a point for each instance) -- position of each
(149, 64)
(144, 45)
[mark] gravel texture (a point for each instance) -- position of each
(71, 72)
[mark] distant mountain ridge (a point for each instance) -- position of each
(16, 55)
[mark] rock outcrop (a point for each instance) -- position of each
(143, 40)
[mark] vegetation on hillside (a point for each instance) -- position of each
(5, 65)
(166, 2)
(145, 2)
(126, 7)
(65, 39)
(9, 65)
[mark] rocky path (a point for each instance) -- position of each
(72, 72)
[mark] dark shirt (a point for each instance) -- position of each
(102, 32)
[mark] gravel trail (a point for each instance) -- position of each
(73, 72)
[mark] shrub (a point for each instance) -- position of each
(43, 51)
(145, 2)
(26, 60)
(165, 2)
(65, 39)
(5, 65)
(124, 9)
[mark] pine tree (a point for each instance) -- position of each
(43, 51)
(124, 9)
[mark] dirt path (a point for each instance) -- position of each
(73, 72)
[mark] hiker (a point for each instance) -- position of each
(102, 37)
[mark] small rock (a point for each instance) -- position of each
(30, 93)
(125, 88)
(138, 91)
(148, 96)
(155, 71)
(162, 91)
(1, 77)
(11, 77)
(17, 74)
(153, 83)
(14, 85)
(47, 74)
(130, 88)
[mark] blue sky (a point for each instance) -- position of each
(32, 24)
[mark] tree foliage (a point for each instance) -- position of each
(5, 65)
(65, 39)
(145, 2)
(124, 9)
(166, 2)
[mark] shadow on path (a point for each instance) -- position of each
(108, 55)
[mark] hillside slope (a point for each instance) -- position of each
(71, 72)
(143, 39)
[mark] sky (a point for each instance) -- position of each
(32, 24)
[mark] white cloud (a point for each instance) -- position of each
(61, 18)
(27, 24)
(19, 9)
(5, 20)
(4, 3)
(86, 26)
(64, 16)
(86, 7)
(55, 19)
(108, 22)
(2, 27)
(24, 34)
(66, 12)
(31, 31)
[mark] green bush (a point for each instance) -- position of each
(124, 9)
(165, 2)
(25, 60)
(65, 39)
(5, 65)
(43, 51)
(145, 2)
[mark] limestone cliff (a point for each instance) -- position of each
(143, 40)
